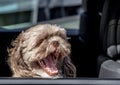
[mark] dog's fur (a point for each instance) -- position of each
(36, 44)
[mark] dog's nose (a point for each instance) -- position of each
(55, 43)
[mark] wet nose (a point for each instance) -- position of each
(55, 43)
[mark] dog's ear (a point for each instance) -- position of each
(15, 59)
(68, 69)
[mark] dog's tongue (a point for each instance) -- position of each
(49, 66)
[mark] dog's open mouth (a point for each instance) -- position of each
(49, 64)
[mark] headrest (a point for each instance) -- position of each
(110, 28)
(92, 6)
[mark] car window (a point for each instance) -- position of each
(24, 13)
(17, 13)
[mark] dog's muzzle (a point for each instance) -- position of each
(49, 64)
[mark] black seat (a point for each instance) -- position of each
(108, 61)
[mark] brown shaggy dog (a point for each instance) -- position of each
(41, 51)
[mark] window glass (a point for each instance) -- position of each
(24, 13)
(17, 13)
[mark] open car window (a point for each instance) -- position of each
(82, 25)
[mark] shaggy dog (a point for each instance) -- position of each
(41, 51)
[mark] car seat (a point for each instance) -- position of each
(108, 61)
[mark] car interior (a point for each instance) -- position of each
(95, 44)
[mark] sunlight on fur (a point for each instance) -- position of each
(41, 51)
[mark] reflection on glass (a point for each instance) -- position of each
(17, 13)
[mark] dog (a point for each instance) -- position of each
(41, 51)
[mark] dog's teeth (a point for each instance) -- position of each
(42, 62)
